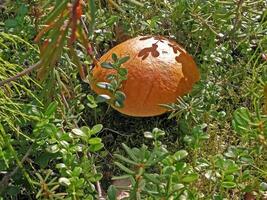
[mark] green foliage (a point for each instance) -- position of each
(249, 126)
(11, 109)
(156, 173)
(73, 165)
(113, 87)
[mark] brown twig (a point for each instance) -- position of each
(20, 74)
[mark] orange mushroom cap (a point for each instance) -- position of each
(159, 71)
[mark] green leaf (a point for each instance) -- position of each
(114, 57)
(158, 132)
(92, 102)
(95, 140)
(22, 11)
(177, 187)
(120, 96)
(107, 65)
(189, 178)
(125, 159)
(168, 170)
(96, 147)
(92, 16)
(77, 171)
(89, 197)
(64, 181)
(11, 23)
(114, 83)
(241, 120)
(160, 158)
(104, 85)
(180, 166)
(129, 152)
(110, 21)
(123, 60)
(44, 158)
(61, 166)
(123, 168)
(228, 184)
(96, 129)
(179, 155)
(51, 109)
(112, 193)
(151, 158)
(86, 130)
(102, 98)
(78, 132)
(148, 134)
(123, 72)
(52, 148)
(152, 177)
(12, 190)
(204, 136)
(229, 177)
(263, 186)
(96, 177)
(121, 177)
(189, 139)
(111, 77)
(232, 168)
(118, 104)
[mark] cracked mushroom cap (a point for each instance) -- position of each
(159, 71)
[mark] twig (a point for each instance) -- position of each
(136, 3)
(99, 190)
(204, 23)
(84, 26)
(98, 185)
(5, 179)
(113, 131)
(115, 5)
(91, 54)
(237, 17)
(20, 74)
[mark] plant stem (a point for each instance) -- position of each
(237, 17)
(204, 23)
(20, 74)
(98, 185)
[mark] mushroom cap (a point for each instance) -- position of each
(159, 71)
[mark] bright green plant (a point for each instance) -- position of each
(115, 81)
(72, 169)
(156, 173)
(250, 126)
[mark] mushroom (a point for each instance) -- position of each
(159, 71)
